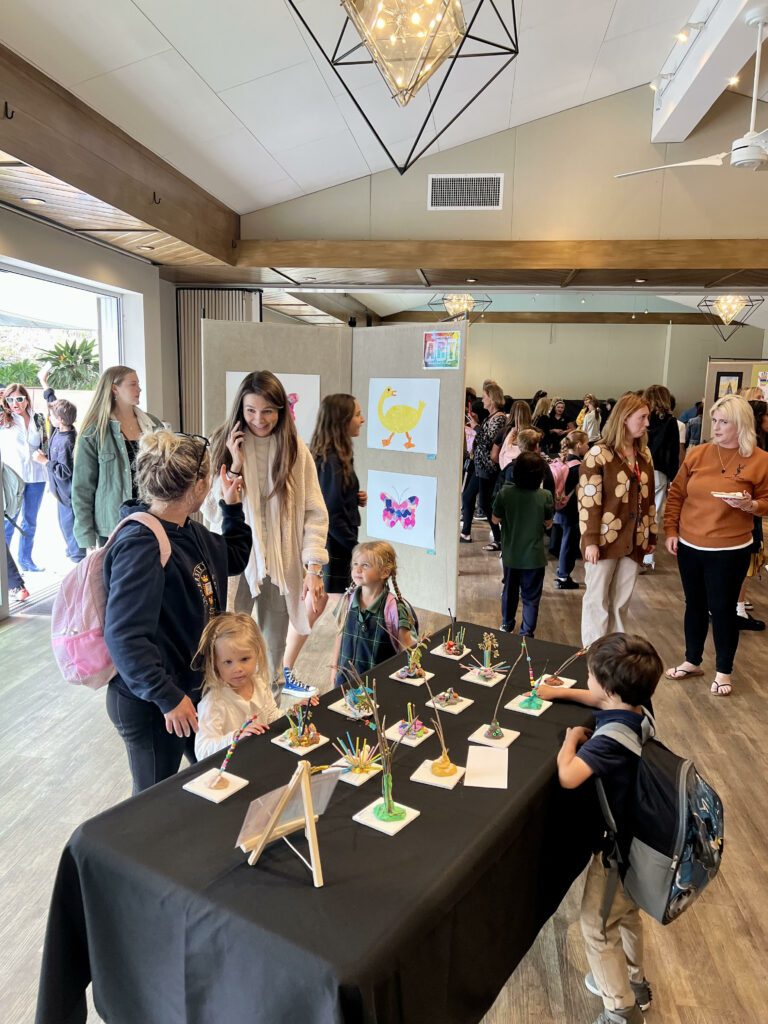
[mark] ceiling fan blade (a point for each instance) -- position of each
(706, 161)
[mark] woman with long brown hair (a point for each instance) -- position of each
(617, 517)
(284, 507)
(338, 422)
(22, 434)
(104, 474)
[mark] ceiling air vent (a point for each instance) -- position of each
(465, 191)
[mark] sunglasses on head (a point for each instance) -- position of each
(205, 445)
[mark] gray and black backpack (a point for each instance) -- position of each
(676, 826)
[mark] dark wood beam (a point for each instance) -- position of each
(568, 278)
(725, 277)
(525, 317)
(625, 254)
(56, 132)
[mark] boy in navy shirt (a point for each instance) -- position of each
(624, 671)
(58, 464)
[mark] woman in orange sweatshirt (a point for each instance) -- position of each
(708, 522)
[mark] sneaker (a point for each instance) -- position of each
(465, 538)
(565, 584)
(505, 627)
(628, 1015)
(641, 989)
(748, 622)
(19, 594)
(293, 688)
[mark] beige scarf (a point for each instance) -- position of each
(266, 555)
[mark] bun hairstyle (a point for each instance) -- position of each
(168, 465)
(570, 441)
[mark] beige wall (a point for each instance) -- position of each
(571, 359)
(149, 327)
(558, 184)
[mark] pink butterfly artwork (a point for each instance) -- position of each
(292, 400)
(403, 512)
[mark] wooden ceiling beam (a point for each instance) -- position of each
(607, 254)
(56, 132)
(525, 317)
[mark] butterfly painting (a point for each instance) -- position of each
(403, 512)
(402, 508)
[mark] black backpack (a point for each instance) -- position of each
(676, 825)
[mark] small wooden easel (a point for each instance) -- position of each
(276, 828)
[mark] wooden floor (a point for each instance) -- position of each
(62, 762)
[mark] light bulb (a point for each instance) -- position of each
(728, 307)
(733, 80)
(416, 18)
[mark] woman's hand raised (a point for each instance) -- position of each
(231, 490)
(235, 446)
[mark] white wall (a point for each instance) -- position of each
(605, 359)
(149, 330)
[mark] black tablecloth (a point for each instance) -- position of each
(155, 905)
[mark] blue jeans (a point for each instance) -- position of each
(33, 496)
(15, 582)
(525, 583)
(569, 548)
(66, 522)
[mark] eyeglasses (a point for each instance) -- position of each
(205, 443)
(16, 398)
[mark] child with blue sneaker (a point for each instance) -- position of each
(624, 671)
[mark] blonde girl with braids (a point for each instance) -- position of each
(283, 581)
(573, 448)
(155, 613)
(233, 658)
(104, 474)
(375, 621)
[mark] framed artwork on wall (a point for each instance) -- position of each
(727, 382)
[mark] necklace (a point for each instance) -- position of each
(724, 466)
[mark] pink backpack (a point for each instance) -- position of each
(560, 472)
(79, 608)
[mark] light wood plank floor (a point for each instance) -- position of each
(63, 763)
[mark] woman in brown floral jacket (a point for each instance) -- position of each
(617, 517)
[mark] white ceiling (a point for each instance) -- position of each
(235, 95)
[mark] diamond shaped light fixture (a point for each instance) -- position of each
(460, 305)
(721, 311)
(408, 40)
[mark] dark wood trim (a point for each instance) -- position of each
(609, 254)
(417, 317)
(56, 132)
(568, 279)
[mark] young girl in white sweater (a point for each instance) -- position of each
(235, 683)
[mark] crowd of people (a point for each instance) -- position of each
(283, 519)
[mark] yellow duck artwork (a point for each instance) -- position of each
(398, 419)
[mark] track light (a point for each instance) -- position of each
(685, 32)
(659, 80)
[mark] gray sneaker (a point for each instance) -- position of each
(630, 1015)
(641, 989)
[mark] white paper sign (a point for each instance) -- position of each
(401, 508)
(303, 390)
(403, 414)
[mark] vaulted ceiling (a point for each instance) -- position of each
(236, 96)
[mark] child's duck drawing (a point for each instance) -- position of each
(398, 419)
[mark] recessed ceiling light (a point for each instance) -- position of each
(583, 301)
(640, 280)
(146, 248)
(32, 200)
(310, 278)
(471, 280)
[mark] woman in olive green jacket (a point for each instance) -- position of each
(105, 456)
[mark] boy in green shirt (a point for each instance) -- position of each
(524, 512)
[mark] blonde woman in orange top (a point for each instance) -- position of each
(708, 522)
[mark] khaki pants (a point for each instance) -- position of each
(604, 609)
(614, 950)
(271, 614)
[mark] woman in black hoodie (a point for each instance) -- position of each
(664, 445)
(155, 615)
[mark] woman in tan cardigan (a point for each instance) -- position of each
(711, 535)
(617, 517)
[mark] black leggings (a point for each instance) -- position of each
(153, 753)
(711, 584)
(484, 487)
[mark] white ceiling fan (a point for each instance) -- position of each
(751, 150)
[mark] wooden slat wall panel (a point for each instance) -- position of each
(192, 305)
